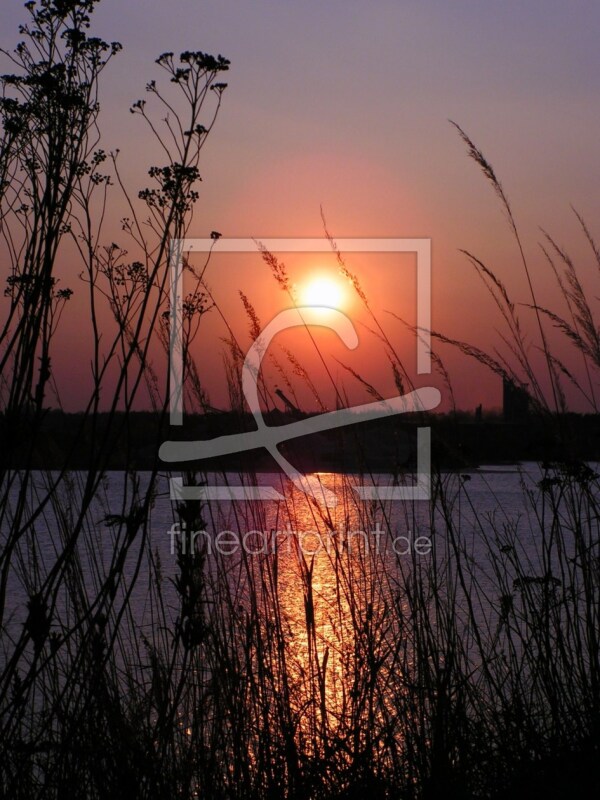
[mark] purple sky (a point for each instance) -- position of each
(345, 104)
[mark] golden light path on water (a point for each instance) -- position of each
(323, 595)
(330, 590)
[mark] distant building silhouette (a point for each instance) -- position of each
(515, 402)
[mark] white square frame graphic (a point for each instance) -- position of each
(421, 247)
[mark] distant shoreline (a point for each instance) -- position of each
(459, 442)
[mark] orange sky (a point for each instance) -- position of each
(345, 106)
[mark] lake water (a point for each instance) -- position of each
(341, 626)
(490, 497)
(357, 549)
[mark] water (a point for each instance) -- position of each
(325, 566)
(339, 625)
(293, 531)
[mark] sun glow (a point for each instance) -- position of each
(322, 291)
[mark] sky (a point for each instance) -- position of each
(345, 106)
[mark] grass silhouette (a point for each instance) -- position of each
(471, 672)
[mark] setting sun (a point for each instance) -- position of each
(322, 291)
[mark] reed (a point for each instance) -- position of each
(285, 672)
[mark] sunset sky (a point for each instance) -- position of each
(345, 105)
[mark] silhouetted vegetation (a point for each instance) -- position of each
(459, 441)
(469, 671)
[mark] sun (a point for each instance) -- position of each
(322, 291)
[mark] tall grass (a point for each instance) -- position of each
(287, 672)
